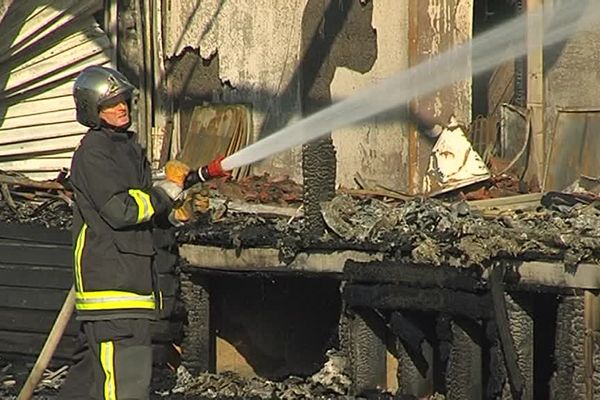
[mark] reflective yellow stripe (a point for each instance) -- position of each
(113, 300)
(79, 245)
(145, 208)
(107, 359)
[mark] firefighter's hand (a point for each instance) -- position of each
(179, 216)
(177, 171)
(182, 213)
(194, 203)
(201, 202)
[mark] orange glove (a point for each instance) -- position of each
(176, 171)
(194, 203)
(182, 214)
(201, 202)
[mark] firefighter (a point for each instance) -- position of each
(115, 209)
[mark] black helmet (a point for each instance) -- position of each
(96, 86)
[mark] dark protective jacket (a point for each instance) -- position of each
(113, 213)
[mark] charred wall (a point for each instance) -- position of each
(288, 59)
(569, 379)
(130, 58)
(378, 148)
(192, 81)
(239, 52)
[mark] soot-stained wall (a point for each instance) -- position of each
(334, 34)
(285, 60)
(249, 51)
(259, 53)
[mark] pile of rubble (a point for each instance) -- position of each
(328, 383)
(421, 231)
(263, 189)
(31, 202)
(51, 213)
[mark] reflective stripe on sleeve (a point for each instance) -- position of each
(145, 208)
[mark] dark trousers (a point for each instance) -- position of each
(114, 362)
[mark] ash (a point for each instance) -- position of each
(329, 383)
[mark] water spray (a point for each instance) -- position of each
(486, 51)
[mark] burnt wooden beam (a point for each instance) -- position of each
(504, 334)
(26, 182)
(569, 380)
(463, 369)
(519, 309)
(32, 321)
(32, 298)
(24, 344)
(366, 351)
(415, 354)
(414, 275)
(35, 254)
(40, 321)
(268, 259)
(35, 233)
(38, 276)
(396, 297)
(199, 340)
(552, 274)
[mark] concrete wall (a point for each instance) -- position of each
(257, 52)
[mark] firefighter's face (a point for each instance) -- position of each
(116, 114)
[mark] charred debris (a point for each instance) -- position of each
(452, 230)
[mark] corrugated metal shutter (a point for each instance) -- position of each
(44, 46)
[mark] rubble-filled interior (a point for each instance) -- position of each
(561, 228)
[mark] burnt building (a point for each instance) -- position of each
(334, 248)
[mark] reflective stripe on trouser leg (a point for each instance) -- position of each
(123, 358)
(107, 359)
